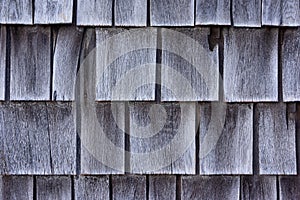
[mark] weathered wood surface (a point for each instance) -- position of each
(37, 138)
(162, 138)
(289, 187)
(281, 12)
(92, 187)
(129, 187)
(189, 70)
(213, 12)
(213, 187)
(3, 35)
(290, 65)
(275, 127)
(162, 187)
(94, 13)
(126, 64)
(226, 148)
(172, 13)
(246, 13)
(53, 12)
(131, 13)
(65, 62)
(258, 187)
(16, 12)
(16, 187)
(254, 79)
(53, 187)
(30, 63)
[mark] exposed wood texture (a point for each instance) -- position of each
(131, 13)
(53, 187)
(290, 65)
(126, 64)
(65, 64)
(172, 13)
(162, 187)
(94, 13)
(246, 13)
(258, 187)
(275, 127)
(213, 12)
(3, 35)
(129, 187)
(16, 12)
(189, 70)
(289, 187)
(37, 138)
(212, 188)
(16, 187)
(226, 147)
(102, 139)
(30, 63)
(281, 12)
(53, 11)
(254, 79)
(162, 138)
(92, 187)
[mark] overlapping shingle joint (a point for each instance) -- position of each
(139, 99)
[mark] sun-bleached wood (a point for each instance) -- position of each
(246, 13)
(16, 12)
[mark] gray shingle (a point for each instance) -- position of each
(246, 13)
(162, 187)
(16, 12)
(16, 187)
(3, 35)
(289, 187)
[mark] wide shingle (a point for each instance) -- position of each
(16, 12)
(16, 187)
(246, 13)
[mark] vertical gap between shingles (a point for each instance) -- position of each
(110, 188)
(148, 12)
(33, 10)
(147, 187)
(113, 12)
(280, 40)
(277, 188)
(255, 141)
(72, 187)
(127, 138)
(178, 187)
(74, 16)
(231, 13)
(197, 139)
(195, 13)
(34, 188)
(298, 137)
(7, 63)
(52, 46)
(221, 65)
(158, 66)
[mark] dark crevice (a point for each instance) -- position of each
(298, 137)
(53, 42)
(72, 187)
(7, 63)
(147, 187)
(127, 139)
(197, 139)
(277, 188)
(34, 188)
(74, 17)
(110, 188)
(255, 141)
(178, 187)
(221, 65)
(213, 38)
(33, 10)
(231, 12)
(113, 12)
(158, 66)
(148, 12)
(280, 40)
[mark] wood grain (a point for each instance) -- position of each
(129, 187)
(30, 63)
(172, 13)
(53, 12)
(258, 187)
(289, 187)
(162, 187)
(94, 13)
(53, 187)
(129, 68)
(246, 13)
(290, 65)
(16, 12)
(162, 138)
(275, 127)
(16, 187)
(92, 187)
(3, 35)
(255, 79)
(130, 12)
(65, 63)
(210, 187)
(214, 12)
(190, 70)
(226, 148)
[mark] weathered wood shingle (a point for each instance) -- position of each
(246, 13)
(16, 187)
(92, 187)
(3, 35)
(16, 12)
(289, 187)
(162, 187)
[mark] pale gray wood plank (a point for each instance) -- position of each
(130, 12)
(226, 148)
(16, 12)
(3, 35)
(290, 65)
(65, 63)
(162, 187)
(210, 187)
(53, 12)
(94, 13)
(213, 12)
(281, 12)
(92, 187)
(16, 187)
(126, 64)
(129, 187)
(246, 13)
(258, 187)
(289, 187)
(276, 136)
(254, 79)
(30, 63)
(162, 138)
(190, 70)
(53, 187)
(172, 13)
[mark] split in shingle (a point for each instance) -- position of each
(16, 12)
